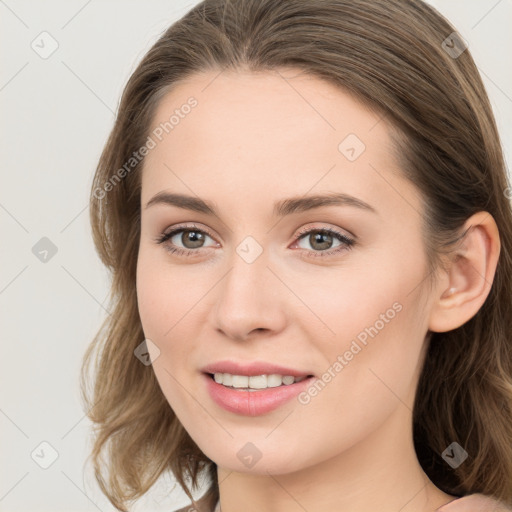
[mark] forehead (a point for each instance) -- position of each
(254, 133)
(267, 110)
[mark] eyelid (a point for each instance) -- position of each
(319, 226)
(191, 226)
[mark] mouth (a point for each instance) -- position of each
(254, 395)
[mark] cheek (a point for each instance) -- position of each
(162, 313)
(162, 293)
(370, 373)
(170, 299)
(378, 324)
(151, 297)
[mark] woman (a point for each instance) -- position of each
(304, 207)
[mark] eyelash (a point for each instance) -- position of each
(347, 243)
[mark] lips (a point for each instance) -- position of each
(253, 402)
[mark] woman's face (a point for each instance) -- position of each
(258, 283)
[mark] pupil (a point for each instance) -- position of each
(193, 237)
(317, 237)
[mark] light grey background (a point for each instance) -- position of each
(56, 114)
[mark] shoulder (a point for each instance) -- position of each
(475, 503)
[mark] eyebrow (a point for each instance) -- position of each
(281, 208)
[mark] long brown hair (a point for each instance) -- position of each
(390, 55)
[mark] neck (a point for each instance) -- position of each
(381, 473)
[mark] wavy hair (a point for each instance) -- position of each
(390, 56)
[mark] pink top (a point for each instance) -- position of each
(474, 503)
(470, 503)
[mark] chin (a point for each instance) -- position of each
(256, 457)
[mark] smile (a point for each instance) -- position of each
(253, 395)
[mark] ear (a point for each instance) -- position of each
(467, 281)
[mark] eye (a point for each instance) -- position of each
(191, 238)
(322, 239)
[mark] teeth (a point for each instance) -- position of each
(274, 380)
(238, 381)
(255, 381)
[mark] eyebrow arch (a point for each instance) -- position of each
(281, 208)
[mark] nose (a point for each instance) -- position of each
(250, 300)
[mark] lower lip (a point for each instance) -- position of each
(253, 403)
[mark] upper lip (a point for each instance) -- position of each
(252, 368)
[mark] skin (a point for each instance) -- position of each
(254, 139)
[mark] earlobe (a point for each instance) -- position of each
(468, 280)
